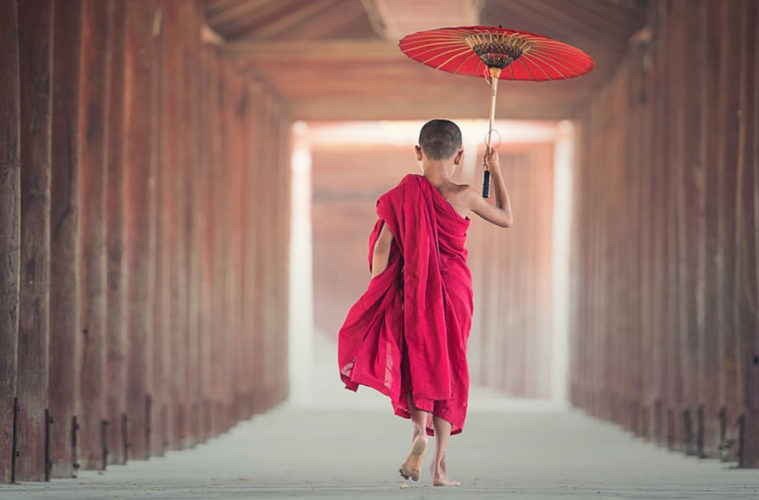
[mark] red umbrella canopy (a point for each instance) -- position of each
(471, 50)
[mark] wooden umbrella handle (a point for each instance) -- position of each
(495, 73)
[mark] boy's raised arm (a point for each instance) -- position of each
(500, 213)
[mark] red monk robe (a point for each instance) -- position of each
(409, 330)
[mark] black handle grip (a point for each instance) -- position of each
(486, 184)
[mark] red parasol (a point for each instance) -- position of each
(496, 54)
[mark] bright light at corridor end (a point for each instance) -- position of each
(358, 134)
(301, 314)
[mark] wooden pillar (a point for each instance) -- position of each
(205, 222)
(164, 354)
(10, 209)
(677, 324)
(116, 321)
(175, 161)
(690, 229)
(727, 119)
(139, 206)
(710, 342)
(65, 334)
(191, 55)
(92, 241)
(746, 245)
(217, 317)
(35, 22)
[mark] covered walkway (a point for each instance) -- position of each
(186, 192)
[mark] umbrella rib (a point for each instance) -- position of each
(572, 68)
(526, 68)
(477, 68)
(461, 53)
(433, 44)
(418, 57)
(539, 66)
(547, 62)
(452, 38)
(463, 61)
(445, 53)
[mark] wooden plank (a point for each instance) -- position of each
(727, 119)
(65, 334)
(194, 215)
(92, 237)
(205, 227)
(709, 345)
(164, 357)
(139, 74)
(746, 268)
(116, 325)
(10, 209)
(675, 210)
(35, 28)
(691, 235)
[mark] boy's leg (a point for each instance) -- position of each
(442, 433)
(412, 466)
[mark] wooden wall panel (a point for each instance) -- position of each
(92, 231)
(35, 32)
(663, 334)
(166, 235)
(139, 206)
(10, 210)
(65, 334)
(747, 326)
(115, 234)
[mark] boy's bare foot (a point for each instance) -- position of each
(439, 476)
(412, 466)
(444, 481)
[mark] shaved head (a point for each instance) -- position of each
(440, 139)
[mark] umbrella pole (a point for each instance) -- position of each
(495, 74)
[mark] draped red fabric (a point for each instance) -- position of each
(408, 332)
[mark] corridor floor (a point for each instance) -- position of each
(335, 444)
(507, 450)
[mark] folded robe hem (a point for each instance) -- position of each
(352, 385)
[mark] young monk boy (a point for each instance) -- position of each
(406, 336)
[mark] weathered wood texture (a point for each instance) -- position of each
(65, 334)
(116, 264)
(92, 229)
(664, 258)
(168, 217)
(10, 209)
(35, 33)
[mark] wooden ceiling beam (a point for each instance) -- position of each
(221, 14)
(347, 18)
(247, 25)
(287, 20)
(288, 52)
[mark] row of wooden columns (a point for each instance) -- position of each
(511, 336)
(144, 214)
(665, 332)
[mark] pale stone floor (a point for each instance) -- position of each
(350, 445)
